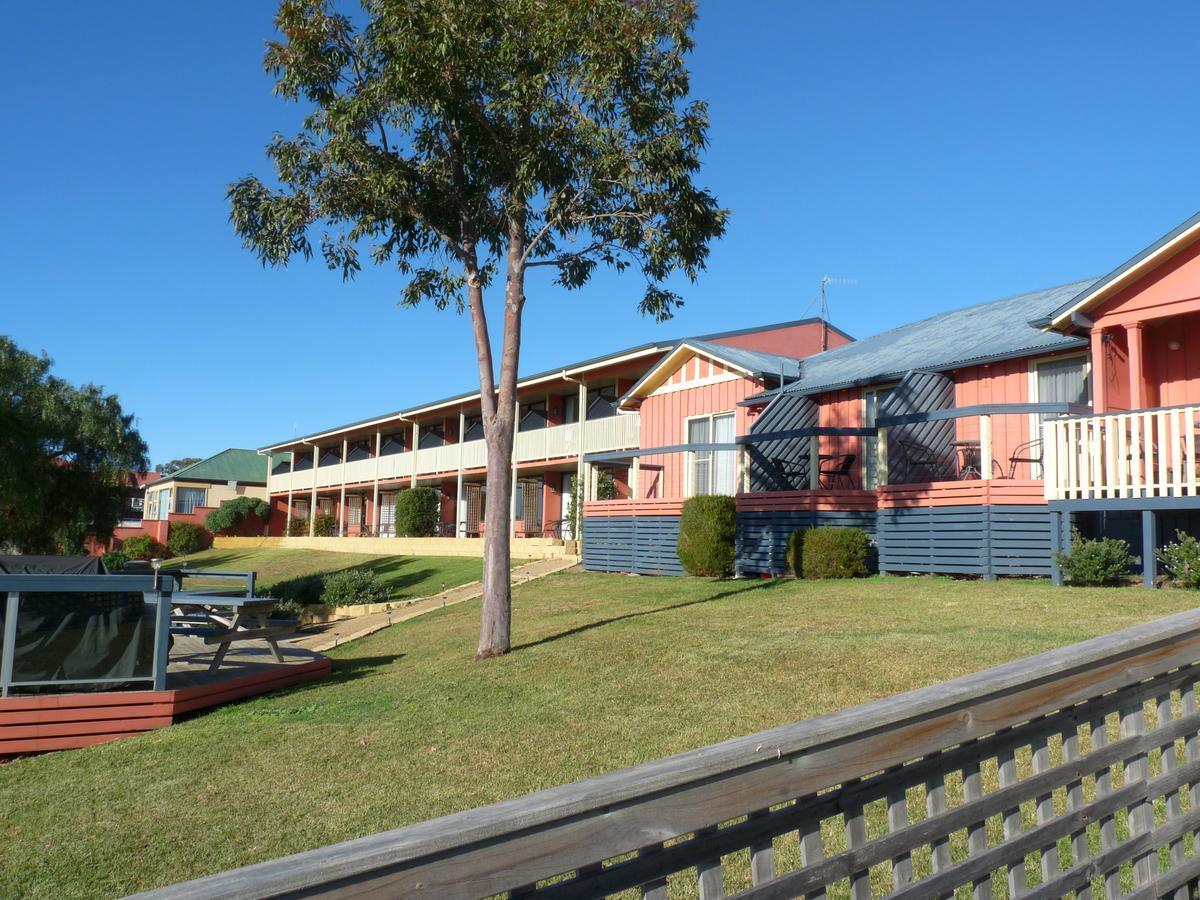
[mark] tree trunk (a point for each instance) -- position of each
(495, 627)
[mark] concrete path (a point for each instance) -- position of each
(320, 638)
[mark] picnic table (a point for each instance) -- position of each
(221, 617)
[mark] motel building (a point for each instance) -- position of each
(972, 442)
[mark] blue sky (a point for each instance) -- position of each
(939, 154)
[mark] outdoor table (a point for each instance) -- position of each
(969, 453)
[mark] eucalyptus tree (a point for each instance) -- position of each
(469, 142)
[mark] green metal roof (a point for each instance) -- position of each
(234, 464)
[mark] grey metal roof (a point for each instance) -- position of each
(985, 332)
(1098, 284)
(756, 362)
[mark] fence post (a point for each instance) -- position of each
(814, 462)
(881, 456)
(8, 648)
(634, 478)
(985, 447)
(162, 632)
(1149, 545)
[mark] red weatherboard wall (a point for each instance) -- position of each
(664, 418)
(1172, 289)
(999, 382)
(794, 340)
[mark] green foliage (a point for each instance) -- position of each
(707, 530)
(286, 609)
(835, 553)
(233, 512)
(606, 487)
(297, 527)
(576, 517)
(795, 553)
(353, 586)
(325, 525)
(142, 546)
(300, 591)
(114, 561)
(186, 537)
(1101, 562)
(418, 512)
(1180, 560)
(170, 468)
(68, 456)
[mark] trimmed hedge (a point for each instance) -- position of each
(1104, 562)
(707, 532)
(353, 586)
(795, 553)
(233, 512)
(418, 512)
(184, 538)
(835, 553)
(142, 546)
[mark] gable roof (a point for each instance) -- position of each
(751, 363)
(1133, 268)
(985, 332)
(234, 464)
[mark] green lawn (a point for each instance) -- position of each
(608, 671)
(407, 576)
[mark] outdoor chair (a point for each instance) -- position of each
(792, 474)
(922, 460)
(1029, 453)
(835, 472)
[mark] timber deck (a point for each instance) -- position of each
(35, 723)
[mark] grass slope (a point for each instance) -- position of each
(608, 671)
(407, 576)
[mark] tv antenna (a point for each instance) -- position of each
(827, 280)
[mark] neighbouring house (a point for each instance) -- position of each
(135, 498)
(354, 472)
(194, 491)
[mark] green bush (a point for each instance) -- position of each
(286, 609)
(297, 527)
(233, 512)
(1180, 560)
(707, 530)
(354, 586)
(325, 525)
(1102, 562)
(113, 561)
(299, 591)
(184, 538)
(795, 553)
(418, 512)
(142, 546)
(606, 487)
(835, 553)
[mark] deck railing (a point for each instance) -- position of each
(1075, 770)
(1138, 454)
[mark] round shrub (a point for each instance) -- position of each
(418, 512)
(299, 591)
(113, 561)
(707, 531)
(297, 527)
(353, 586)
(324, 525)
(184, 538)
(835, 553)
(233, 512)
(142, 546)
(1180, 561)
(1103, 562)
(795, 553)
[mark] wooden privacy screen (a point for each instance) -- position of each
(1074, 771)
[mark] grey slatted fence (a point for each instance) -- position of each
(1077, 770)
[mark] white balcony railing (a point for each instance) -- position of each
(1144, 453)
(554, 442)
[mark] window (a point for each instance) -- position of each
(359, 450)
(325, 506)
(873, 399)
(303, 462)
(354, 509)
(602, 403)
(136, 503)
(431, 436)
(533, 416)
(392, 443)
(330, 457)
(1062, 381)
(473, 429)
(712, 471)
(282, 467)
(387, 513)
(570, 409)
(300, 509)
(187, 499)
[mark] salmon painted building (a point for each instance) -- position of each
(355, 472)
(971, 442)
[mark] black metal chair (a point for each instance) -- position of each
(1030, 453)
(793, 474)
(922, 460)
(835, 472)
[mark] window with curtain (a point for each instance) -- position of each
(354, 510)
(187, 499)
(1063, 381)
